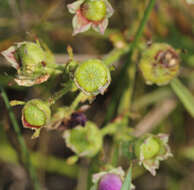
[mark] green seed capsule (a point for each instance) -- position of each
(159, 64)
(149, 149)
(84, 141)
(35, 114)
(94, 10)
(30, 51)
(92, 77)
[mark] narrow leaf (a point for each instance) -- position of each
(184, 95)
(127, 184)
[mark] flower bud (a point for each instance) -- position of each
(92, 77)
(150, 149)
(94, 10)
(159, 64)
(35, 114)
(84, 141)
(90, 13)
(109, 180)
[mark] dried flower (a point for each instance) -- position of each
(90, 13)
(34, 62)
(159, 64)
(151, 149)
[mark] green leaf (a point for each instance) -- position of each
(184, 95)
(127, 184)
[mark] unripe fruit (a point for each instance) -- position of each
(35, 114)
(30, 51)
(159, 64)
(110, 182)
(94, 10)
(92, 77)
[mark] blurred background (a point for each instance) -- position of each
(171, 21)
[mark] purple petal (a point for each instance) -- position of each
(110, 182)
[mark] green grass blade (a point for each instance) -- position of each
(184, 95)
(127, 184)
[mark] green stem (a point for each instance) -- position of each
(60, 93)
(115, 54)
(122, 76)
(76, 102)
(25, 153)
(184, 95)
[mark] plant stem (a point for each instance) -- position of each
(184, 95)
(115, 54)
(25, 153)
(60, 93)
(122, 76)
(77, 100)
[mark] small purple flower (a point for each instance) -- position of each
(110, 182)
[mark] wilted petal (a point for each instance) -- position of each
(80, 24)
(9, 55)
(26, 81)
(151, 166)
(73, 7)
(109, 9)
(101, 27)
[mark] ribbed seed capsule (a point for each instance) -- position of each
(35, 114)
(92, 77)
(159, 64)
